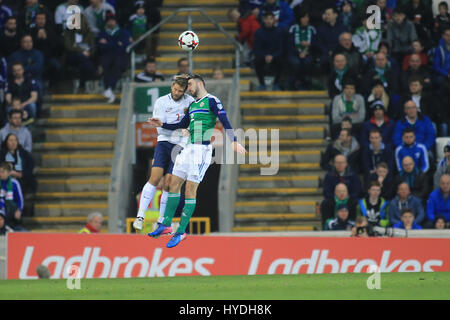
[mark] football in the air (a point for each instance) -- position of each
(188, 40)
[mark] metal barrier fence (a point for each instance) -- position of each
(195, 220)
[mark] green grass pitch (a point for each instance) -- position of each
(271, 287)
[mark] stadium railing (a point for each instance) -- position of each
(198, 221)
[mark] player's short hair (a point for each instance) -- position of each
(181, 60)
(181, 81)
(6, 166)
(197, 77)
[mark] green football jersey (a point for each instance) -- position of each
(202, 118)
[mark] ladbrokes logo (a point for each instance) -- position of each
(92, 264)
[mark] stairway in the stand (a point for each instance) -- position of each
(288, 200)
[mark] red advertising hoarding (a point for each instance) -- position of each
(119, 256)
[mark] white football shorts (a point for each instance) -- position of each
(192, 162)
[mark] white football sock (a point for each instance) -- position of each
(147, 195)
(162, 205)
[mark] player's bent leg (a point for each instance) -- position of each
(164, 197)
(172, 203)
(188, 211)
(147, 194)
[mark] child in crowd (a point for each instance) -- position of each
(408, 222)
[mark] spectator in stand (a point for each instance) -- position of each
(11, 195)
(417, 180)
(400, 35)
(346, 47)
(269, 49)
(15, 126)
(27, 14)
(94, 223)
(385, 14)
(9, 38)
(407, 221)
(137, 24)
(183, 68)
(386, 180)
(47, 41)
(426, 104)
(373, 206)
(366, 40)
(348, 104)
(341, 173)
(379, 121)
(391, 62)
(5, 13)
(328, 207)
(441, 60)
(439, 222)
(79, 46)
(360, 228)
(339, 75)
(3, 81)
(378, 93)
(381, 71)
(24, 88)
(282, 12)
(96, 15)
(441, 21)
(439, 200)
(418, 49)
(62, 14)
(315, 9)
(346, 123)
(417, 70)
(409, 147)
(112, 44)
(21, 161)
(301, 36)
(420, 14)
(31, 59)
(421, 125)
(348, 16)
(247, 24)
(443, 167)
(405, 200)
(342, 220)
(375, 153)
(17, 105)
(150, 74)
(328, 35)
(4, 228)
(218, 73)
(346, 145)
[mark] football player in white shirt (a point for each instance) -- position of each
(170, 109)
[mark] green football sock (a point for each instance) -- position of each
(172, 203)
(188, 211)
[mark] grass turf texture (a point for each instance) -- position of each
(271, 287)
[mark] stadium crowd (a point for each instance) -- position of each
(389, 87)
(37, 51)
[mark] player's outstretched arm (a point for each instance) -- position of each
(238, 148)
(155, 122)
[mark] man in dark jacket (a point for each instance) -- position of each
(346, 47)
(375, 153)
(378, 121)
(418, 181)
(328, 207)
(284, 16)
(112, 44)
(9, 37)
(341, 173)
(268, 50)
(328, 35)
(381, 71)
(346, 145)
(31, 59)
(415, 69)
